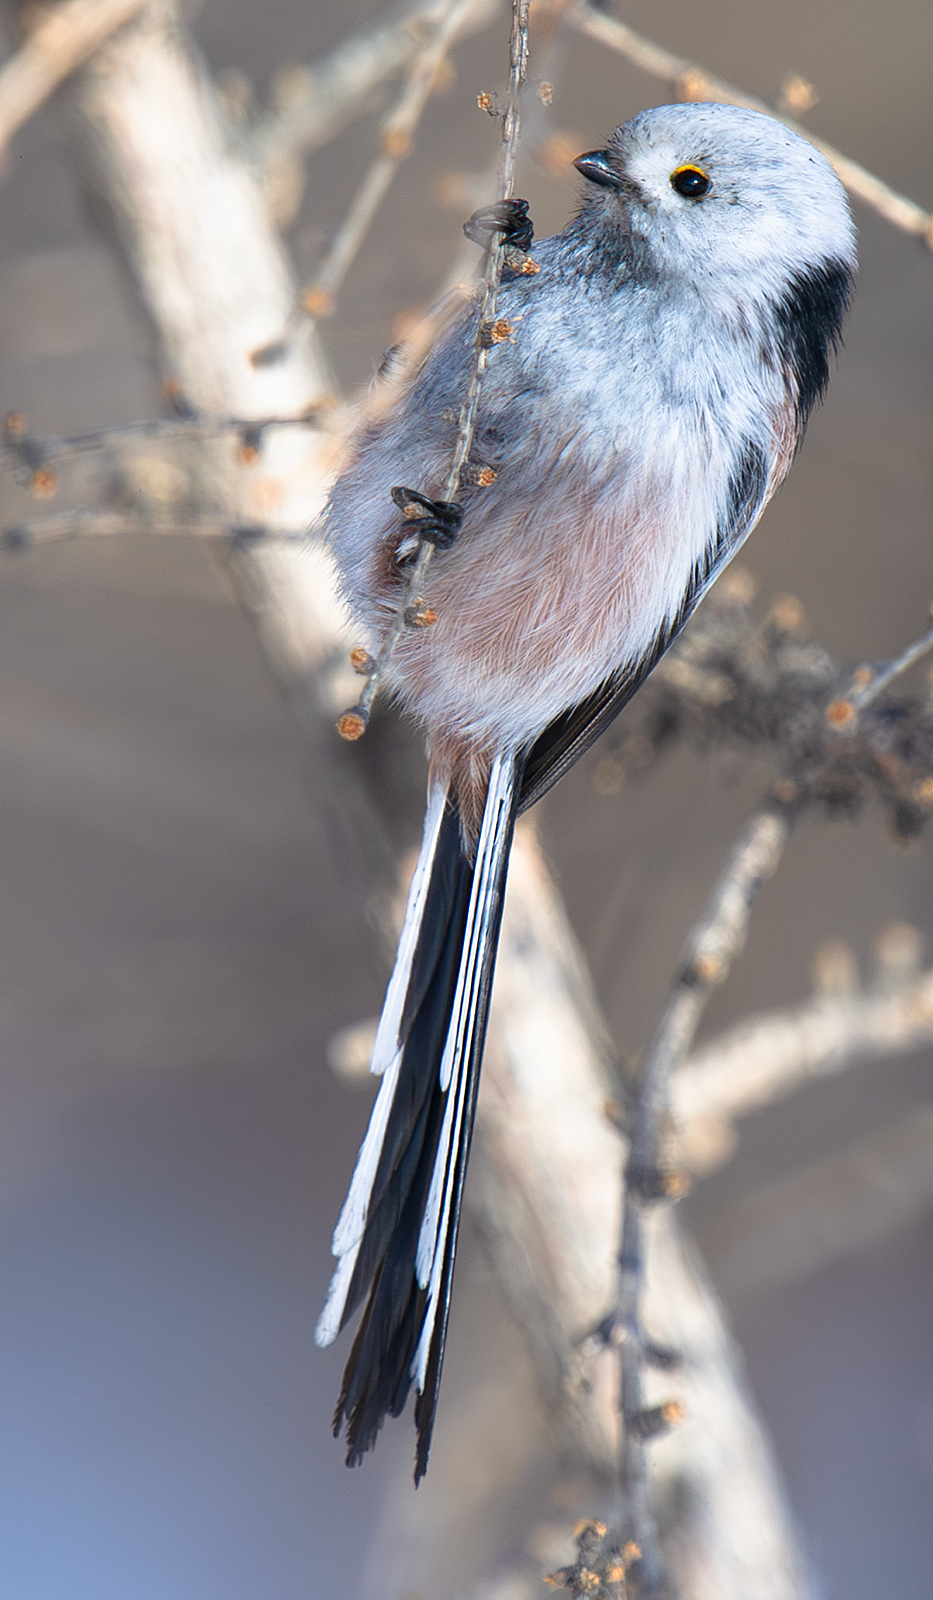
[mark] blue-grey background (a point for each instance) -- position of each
(177, 943)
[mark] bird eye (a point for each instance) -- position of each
(691, 182)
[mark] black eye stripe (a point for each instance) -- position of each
(691, 182)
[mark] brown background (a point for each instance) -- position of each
(177, 941)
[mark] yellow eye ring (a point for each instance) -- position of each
(691, 182)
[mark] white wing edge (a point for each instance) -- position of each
(386, 1042)
(436, 1221)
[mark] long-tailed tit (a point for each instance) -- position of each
(663, 364)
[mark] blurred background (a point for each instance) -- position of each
(179, 940)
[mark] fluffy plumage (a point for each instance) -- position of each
(665, 360)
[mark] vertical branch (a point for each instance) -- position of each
(712, 947)
(411, 610)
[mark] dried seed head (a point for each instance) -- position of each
(497, 332)
(708, 969)
(797, 96)
(597, 1529)
(786, 791)
(418, 615)
(862, 677)
(247, 455)
(487, 103)
(737, 584)
(652, 1420)
(352, 725)
(839, 713)
(479, 477)
(587, 1581)
(787, 614)
(14, 425)
(545, 92)
(656, 1182)
(519, 263)
(43, 483)
(361, 661)
(693, 85)
(631, 1552)
(396, 142)
(318, 303)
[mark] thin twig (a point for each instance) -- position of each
(19, 448)
(395, 138)
(920, 647)
(411, 603)
(65, 38)
(695, 83)
(84, 523)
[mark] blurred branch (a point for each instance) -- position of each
(62, 38)
(318, 101)
(872, 687)
(395, 140)
(734, 682)
(546, 1194)
(710, 951)
(691, 82)
(767, 1058)
(190, 226)
(67, 525)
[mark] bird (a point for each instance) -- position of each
(661, 359)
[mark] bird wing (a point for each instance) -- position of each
(564, 741)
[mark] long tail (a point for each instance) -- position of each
(397, 1234)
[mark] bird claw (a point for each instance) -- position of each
(434, 522)
(507, 218)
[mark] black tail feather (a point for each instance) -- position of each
(400, 1315)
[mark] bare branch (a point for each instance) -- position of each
(30, 451)
(710, 950)
(695, 83)
(395, 140)
(412, 611)
(767, 1058)
(325, 96)
(101, 524)
(546, 1194)
(67, 35)
(877, 685)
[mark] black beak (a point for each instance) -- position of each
(597, 166)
